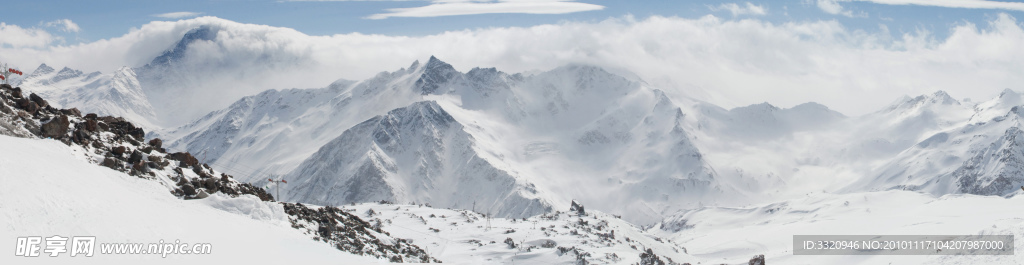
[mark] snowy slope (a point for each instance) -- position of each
(980, 155)
(467, 237)
(115, 94)
(731, 235)
(47, 190)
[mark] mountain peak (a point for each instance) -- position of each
(415, 64)
(435, 73)
(43, 69)
(1008, 92)
(937, 98)
(434, 63)
(201, 33)
(69, 72)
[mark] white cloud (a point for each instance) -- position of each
(473, 7)
(174, 15)
(978, 4)
(833, 7)
(65, 25)
(727, 62)
(746, 9)
(19, 37)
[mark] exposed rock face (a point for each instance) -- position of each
(57, 127)
(995, 170)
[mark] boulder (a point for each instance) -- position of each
(16, 93)
(135, 157)
(111, 163)
(91, 125)
(72, 112)
(56, 128)
(578, 208)
(757, 260)
(118, 151)
(187, 160)
(22, 103)
(188, 189)
(141, 166)
(32, 107)
(137, 133)
(210, 184)
(155, 159)
(38, 100)
(91, 116)
(156, 142)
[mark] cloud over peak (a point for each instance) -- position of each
(724, 61)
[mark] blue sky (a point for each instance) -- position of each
(106, 19)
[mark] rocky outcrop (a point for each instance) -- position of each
(349, 233)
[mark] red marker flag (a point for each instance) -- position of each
(284, 181)
(2, 78)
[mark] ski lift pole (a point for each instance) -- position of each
(277, 186)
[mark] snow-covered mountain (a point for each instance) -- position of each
(416, 154)
(575, 132)
(979, 153)
(116, 94)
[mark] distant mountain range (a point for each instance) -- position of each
(517, 145)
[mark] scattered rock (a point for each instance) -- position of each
(38, 100)
(578, 208)
(156, 142)
(211, 185)
(187, 160)
(72, 112)
(56, 128)
(31, 107)
(111, 163)
(118, 151)
(91, 116)
(135, 157)
(757, 260)
(188, 189)
(140, 167)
